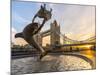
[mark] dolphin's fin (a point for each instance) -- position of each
(19, 35)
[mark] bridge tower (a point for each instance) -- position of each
(55, 33)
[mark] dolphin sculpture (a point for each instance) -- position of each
(43, 13)
(34, 28)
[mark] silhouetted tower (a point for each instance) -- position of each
(55, 33)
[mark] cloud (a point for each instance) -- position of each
(19, 19)
(20, 41)
(13, 32)
(75, 19)
(17, 41)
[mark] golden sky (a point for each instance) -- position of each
(77, 22)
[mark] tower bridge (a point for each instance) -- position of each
(56, 35)
(54, 38)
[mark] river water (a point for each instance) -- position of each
(53, 63)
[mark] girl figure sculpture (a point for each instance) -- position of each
(34, 28)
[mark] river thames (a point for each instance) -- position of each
(83, 60)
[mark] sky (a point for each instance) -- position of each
(76, 21)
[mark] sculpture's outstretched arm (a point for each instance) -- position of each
(34, 18)
(38, 30)
(44, 6)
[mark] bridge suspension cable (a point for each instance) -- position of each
(66, 39)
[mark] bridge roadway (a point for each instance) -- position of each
(45, 33)
(91, 43)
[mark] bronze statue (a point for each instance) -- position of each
(33, 28)
(43, 13)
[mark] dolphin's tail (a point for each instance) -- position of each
(19, 35)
